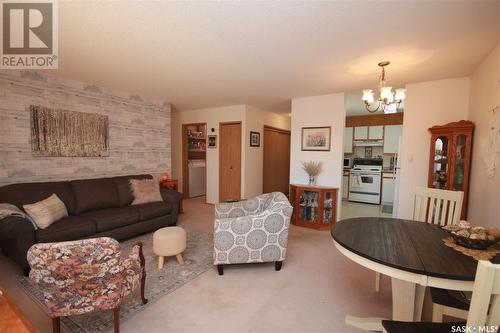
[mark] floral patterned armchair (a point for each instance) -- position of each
(85, 275)
(253, 230)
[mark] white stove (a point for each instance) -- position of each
(365, 180)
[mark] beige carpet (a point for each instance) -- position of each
(312, 293)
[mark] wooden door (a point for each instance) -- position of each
(276, 165)
(229, 161)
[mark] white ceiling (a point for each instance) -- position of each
(203, 54)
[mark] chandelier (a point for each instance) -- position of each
(388, 102)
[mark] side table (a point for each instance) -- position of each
(12, 319)
(172, 184)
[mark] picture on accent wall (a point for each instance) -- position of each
(212, 141)
(316, 138)
(61, 133)
(254, 139)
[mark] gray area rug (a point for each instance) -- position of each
(198, 259)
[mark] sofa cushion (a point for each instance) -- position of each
(145, 191)
(47, 211)
(112, 218)
(123, 188)
(154, 209)
(94, 194)
(28, 193)
(68, 228)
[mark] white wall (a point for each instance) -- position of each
(484, 202)
(256, 119)
(427, 104)
(211, 116)
(324, 110)
(252, 119)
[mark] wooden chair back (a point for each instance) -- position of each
(436, 206)
(485, 296)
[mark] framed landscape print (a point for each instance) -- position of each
(212, 141)
(254, 139)
(316, 138)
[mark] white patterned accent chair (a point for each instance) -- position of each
(252, 231)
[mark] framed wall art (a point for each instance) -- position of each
(212, 141)
(254, 139)
(316, 138)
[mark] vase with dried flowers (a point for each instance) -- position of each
(313, 169)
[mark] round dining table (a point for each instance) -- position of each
(411, 253)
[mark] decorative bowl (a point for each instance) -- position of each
(478, 244)
(478, 238)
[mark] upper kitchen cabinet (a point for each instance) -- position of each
(375, 132)
(391, 138)
(450, 154)
(348, 133)
(361, 133)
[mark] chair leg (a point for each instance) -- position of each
(56, 325)
(277, 265)
(220, 269)
(160, 262)
(143, 277)
(377, 281)
(180, 259)
(437, 313)
(116, 318)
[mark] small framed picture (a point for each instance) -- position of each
(254, 139)
(212, 141)
(316, 138)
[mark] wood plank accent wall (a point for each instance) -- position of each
(139, 129)
(374, 120)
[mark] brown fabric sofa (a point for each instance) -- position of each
(96, 207)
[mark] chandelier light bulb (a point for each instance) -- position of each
(388, 101)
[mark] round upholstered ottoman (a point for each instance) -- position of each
(169, 241)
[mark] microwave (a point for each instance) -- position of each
(348, 162)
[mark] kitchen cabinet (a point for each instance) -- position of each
(375, 132)
(450, 155)
(361, 133)
(388, 187)
(391, 138)
(345, 186)
(348, 132)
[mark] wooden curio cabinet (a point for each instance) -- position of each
(313, 206)
(450, 155)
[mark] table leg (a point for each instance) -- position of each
(407, 300)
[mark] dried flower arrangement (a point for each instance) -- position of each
(313, 169)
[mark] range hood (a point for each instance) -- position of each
(368, 143)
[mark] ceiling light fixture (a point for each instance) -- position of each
(389, 101)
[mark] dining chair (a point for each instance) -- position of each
(434, 206)
(87, 275)
(484, 313)
(437, 206)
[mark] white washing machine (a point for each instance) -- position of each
(196, 169)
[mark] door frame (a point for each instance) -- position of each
(185, 169)
(220, 155)
(279, 130)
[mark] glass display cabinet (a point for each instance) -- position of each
(450, 154)
(313, 206)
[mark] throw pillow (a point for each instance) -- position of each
(47, 211)
(144, 191)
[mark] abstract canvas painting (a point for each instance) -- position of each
(57, 132)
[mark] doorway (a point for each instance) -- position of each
(194, 147)
(276, 164)
(229, 161)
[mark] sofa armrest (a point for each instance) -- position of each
(17, 235)
(172, 197)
